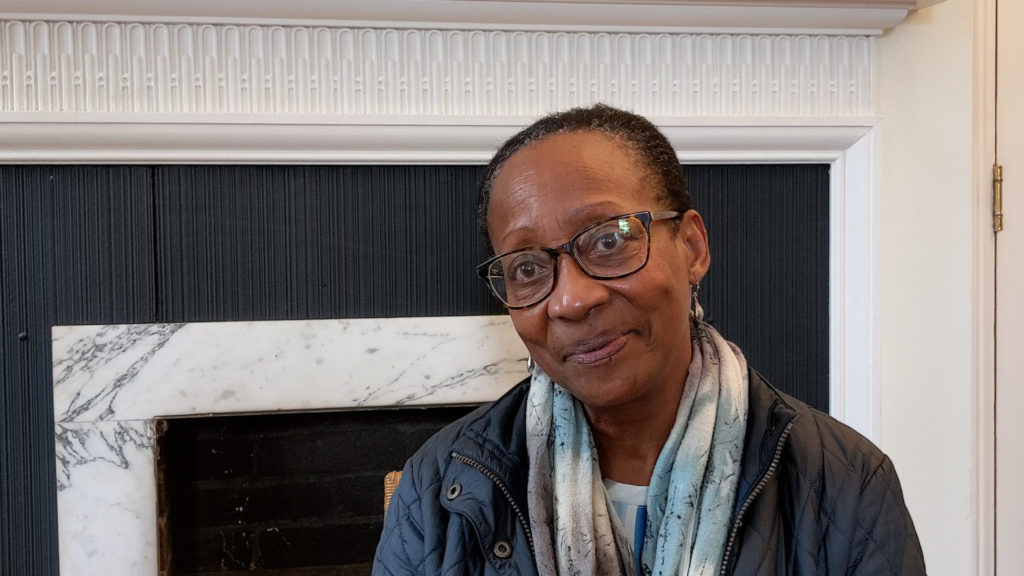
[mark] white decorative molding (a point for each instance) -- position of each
(157, 68)
(127, 139)
(854, 375)
(721, 16)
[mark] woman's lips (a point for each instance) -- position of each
(596, 350)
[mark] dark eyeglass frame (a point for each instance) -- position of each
(645, 217)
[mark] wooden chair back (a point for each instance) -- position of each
(390, 484)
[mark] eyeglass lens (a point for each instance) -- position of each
(610, 249)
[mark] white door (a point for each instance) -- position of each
(1009, 424)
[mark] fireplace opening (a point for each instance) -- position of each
(282, 493)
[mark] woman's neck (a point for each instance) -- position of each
(629, 438)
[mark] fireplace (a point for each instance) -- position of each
(116, 386)
(114, 383)
(741, 86)
(289, 493)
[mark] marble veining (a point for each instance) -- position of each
(78, 446)
(105, 373)
(110, 382)
(87, 356)
(107, 514)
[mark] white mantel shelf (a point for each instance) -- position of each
(748, 16)
(143, 139)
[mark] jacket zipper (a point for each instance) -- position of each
(504, 490)
(753, 495)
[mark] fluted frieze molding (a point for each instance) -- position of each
(188, 69)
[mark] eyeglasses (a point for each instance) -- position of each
(612, 248)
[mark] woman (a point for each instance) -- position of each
(642, 443)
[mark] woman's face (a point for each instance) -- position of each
(609, 342)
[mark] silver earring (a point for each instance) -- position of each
(696, 311)
(530, 364)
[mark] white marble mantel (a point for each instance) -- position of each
(111, 381)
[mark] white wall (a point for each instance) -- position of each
(927, 214)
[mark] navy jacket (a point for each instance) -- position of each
(815, 498)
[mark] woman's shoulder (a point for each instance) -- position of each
(837, 485)
(816, 442)
(494, 432)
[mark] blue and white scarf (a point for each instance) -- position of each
(692, 489)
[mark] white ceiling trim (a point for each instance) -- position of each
(775, 16)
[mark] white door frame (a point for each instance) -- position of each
(984, 285)
(1004, 393)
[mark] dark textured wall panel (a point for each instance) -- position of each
(318, 242)
(76, 245)
(89, 245)
(767, 289)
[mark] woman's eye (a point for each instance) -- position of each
(610, 241)
(525, 269)
(610, 237)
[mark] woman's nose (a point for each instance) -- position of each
(574, 293)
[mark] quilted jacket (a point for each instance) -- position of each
(815, 498)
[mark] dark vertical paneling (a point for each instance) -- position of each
(768, 286)
(7, 443)
(318, 242)
(9, 446)
(29, 508)
(102, 238)
(76, 247)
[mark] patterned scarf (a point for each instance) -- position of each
(692, 489)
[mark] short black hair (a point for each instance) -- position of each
(632, 130)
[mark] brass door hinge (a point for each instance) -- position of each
(997, 197)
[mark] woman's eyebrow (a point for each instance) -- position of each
(577, 219)
(589, 213)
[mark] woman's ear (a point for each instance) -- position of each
(695, 236)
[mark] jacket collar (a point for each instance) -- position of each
(769, 414)
(488, 465)
(497, 438)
